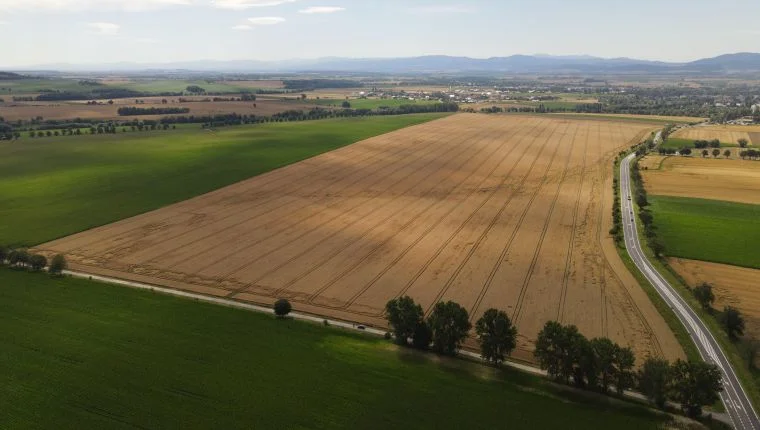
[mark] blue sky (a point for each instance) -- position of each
(154, 31)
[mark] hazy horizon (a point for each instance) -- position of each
(82, 32)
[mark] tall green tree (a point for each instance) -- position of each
(605, 351)
(733, 322)
(422, 336)
(497, 335)
(450, 324)
(654, 380)
(695, 384)
(704, 295)
(57, 265)
(558, 349)
(624, 374)
(743, 142)
(403, 315)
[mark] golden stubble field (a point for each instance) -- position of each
(497, 211)
(733, 180)
(733, 286)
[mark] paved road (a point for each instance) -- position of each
(734, 397)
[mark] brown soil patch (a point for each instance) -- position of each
(732, 180)
(733, 286)
(509, 212)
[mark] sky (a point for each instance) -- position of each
(41, 32)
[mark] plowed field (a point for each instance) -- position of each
(489, 211)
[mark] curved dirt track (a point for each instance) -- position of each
(489, 211)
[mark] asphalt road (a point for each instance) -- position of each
(734, 397)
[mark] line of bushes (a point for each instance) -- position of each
(21, 259)
(133, 111)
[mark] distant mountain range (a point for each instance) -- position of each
(740, 63)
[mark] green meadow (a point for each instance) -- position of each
(77, 354)
(708, 230)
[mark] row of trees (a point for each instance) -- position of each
(447, 327)
(23, 259)
(751, 154)
(133, 111)
(599, 364)
(700, 144)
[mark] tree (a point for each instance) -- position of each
(18, 258)
(497, 334)
(404, 315)
(654, 380)
(449, 323)
(624, 374)
(716, 152)
(743, 142)
(557, 350)
(345, 104)
(733, 322)
(282, 307)
(685, 151)
(604, 352)
(37, 262)
(695, 384)
(704, 295)
(57, 265)
(705, 153)
(727, 153)
(422, 336)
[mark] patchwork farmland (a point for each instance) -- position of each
(489, 211)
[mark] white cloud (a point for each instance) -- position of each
(322, 9)
(266, 20)
(440, 9)
(108, 28)
(80, 5)
(242, 27)
(247, 4)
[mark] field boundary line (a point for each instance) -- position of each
(214, 193)
(247, 246)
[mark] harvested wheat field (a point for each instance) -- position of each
(489, 211)
(725, 133)
(733, 286)
(733, 180)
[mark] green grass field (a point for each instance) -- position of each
(77, 354)
(53, 187)
(708, 230)
(676, 143)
